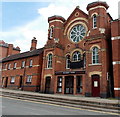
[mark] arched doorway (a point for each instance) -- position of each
(95, 85)
(47, 84)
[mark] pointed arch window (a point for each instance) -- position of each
(68, 62)
(76, 56)
(95, 55)
(49, 61)
(94, 21)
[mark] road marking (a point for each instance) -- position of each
(62, 106)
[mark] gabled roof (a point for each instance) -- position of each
(75, 10)
(23, 55)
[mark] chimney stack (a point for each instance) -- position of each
(33, 44)
(10, 49)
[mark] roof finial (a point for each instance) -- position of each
(78, 7)
(34, 38)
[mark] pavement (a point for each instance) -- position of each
(76, 101)
(69, 97)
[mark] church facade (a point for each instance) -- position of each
(81, 55)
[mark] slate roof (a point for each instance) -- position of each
(23, 55)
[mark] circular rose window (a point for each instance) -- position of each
(77, 33)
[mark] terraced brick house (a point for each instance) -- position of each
(23, 70)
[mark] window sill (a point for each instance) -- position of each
(68, 68)
(95, 64)
(94, 28)
(48, 68)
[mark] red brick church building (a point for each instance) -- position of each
(81, 56)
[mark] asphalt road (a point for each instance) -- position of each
(25, 107)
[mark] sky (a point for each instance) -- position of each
(24, 19)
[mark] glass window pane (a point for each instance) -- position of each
(76, 56)
(31, 62)
(94, 21)
(95, 55)
(49, 62)
(12, 79)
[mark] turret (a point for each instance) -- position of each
(55, 28)
(97, 17)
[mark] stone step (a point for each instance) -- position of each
(66, 102)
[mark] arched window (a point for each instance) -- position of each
(95, 55)
(51, 32)
(76, 56)
(94, 21)
(67, 61)
(49, 61)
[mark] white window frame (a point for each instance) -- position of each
(51, 32)
(95, 55)
(94, 21)
(31, 63)
(59, 84)
(68, 62)
(29, 79)
(9, 66)
(23, 64)
(76, 56)
(49, 61)
(15, 65)
(12, 79)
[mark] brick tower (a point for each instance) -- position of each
(97, 50)
(53, 54)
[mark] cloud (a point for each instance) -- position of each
(113, 8)
(64, 9)
(53, 10)
(21, 36)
